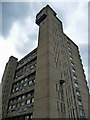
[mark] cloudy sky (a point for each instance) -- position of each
(20, 33)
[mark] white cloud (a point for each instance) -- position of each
(20, 34)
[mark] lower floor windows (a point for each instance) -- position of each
(78, 93)
(81, 113)
(28, 101)
(61, 106)
(23, 117)
(79, 102)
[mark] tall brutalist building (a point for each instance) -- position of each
(49, 82)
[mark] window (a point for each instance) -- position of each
(23, 89)
(13, 90)
(25, 84)
(18, 104)
(30, 82)
(71, 58)
(13, 106)
(79, 102)
(22, 81)
(19, 98)
(10, 107)
(76, 84)
(61, 107)
(23, 96)
(23, 103)
(81, 113)
(26, 79)
(27, 117)
(57, 105)
(68, 43)
(32, 66)
(11, 101)
(31, 116)
(73, 70)
(20, 110)
(28, 101)
(64, 107)
(25, 108)
(32, 100)
(78, 93)
(72, 64)
(17, 89)
(70, 52)
(74, 77)
(69, 48)
(29, 94)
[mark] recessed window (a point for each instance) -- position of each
(32, 66)
(25, 84)
(23, 96)
(26, 79)
(13, 90)
(68, 43)
(10, 107)
(19, 98)
(25, 108)
(30, 82)
(31, 116)
(29, 94)
(70, 53)
(20, 110)
(57, 105)
(23, 89)
(76, 84)
(23, 103)
(69, 48)
(72, 64)
(78, 93)
(73, 70)
(74, 77)
(22, 81)
(17, 88)
(13, 106)
(32, 100)
(28, 101)
(26, 117)
(18, 104)
(79, 102)
(81, 113)
(11, 101)
(71, 58)
(33, 81)
(14, 100)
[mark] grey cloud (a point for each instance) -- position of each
(13, 11)
(23, 47)
(17, 11)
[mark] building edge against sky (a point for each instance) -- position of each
(54, 70)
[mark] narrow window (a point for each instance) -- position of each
(76, 85)
(79, 102)
(78, 93)
(81, 113)
(71, 58)
(61, 107)
(73, 70)
(57, 105)
(74, 77)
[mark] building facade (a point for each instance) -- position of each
(49, 82)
